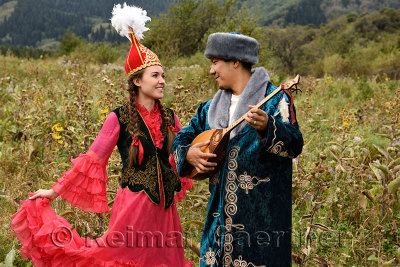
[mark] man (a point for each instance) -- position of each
(249, 211)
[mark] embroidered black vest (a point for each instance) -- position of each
(145, 177)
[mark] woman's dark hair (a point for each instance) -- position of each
(133, 125)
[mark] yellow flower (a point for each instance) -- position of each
(329, 79)
(102, 118)
(57, 127)
(104, 111)
(345, 123)
(60, 142)
(56, 136)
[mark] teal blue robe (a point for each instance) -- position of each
(249, 210)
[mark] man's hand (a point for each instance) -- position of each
(257, 118)
(198, 159)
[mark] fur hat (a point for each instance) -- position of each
(129, 21)
(232, 45)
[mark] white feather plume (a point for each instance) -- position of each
(129, 16)
(284, 110)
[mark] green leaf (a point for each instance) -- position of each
(382, 151)
(372, 258)
(394, 163)
(378, 173)
(394, 185)
(10, 257)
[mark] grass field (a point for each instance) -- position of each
(345, 183)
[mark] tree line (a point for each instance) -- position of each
(353, 44)
(34, 21)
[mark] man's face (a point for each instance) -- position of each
(222, 72)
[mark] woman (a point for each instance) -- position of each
(144, 227)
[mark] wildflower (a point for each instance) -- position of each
(357, 139)
(60, 142)
(104, 111)
(57, 127)
(328, 79)
(369, 177)
(56, 136)
(102, 118)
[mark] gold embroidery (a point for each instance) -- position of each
(150, 56)
(171, 183)
(142, 177)
(210, 257)
(144, 66)
(230, 207)
(277, 148)
(246, 181)
(137, 44)
(242, 263)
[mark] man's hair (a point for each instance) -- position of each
(247, 66)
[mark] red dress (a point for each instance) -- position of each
(140, 232)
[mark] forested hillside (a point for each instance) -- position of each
(42, 23)
(303, 12)
(34, 23)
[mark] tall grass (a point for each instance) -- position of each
(345, 199)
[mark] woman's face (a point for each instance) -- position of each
(152, 83)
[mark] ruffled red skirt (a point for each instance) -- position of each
(139, 235)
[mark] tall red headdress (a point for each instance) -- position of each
(129, 21)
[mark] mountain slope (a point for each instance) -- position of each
(42, 22)
(303, 12)
(35, 21)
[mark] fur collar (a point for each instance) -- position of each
(253, 93)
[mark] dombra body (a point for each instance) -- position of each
(219, 138)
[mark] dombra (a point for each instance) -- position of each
(219, 137)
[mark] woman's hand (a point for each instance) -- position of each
(198, 159)
(50, 194)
